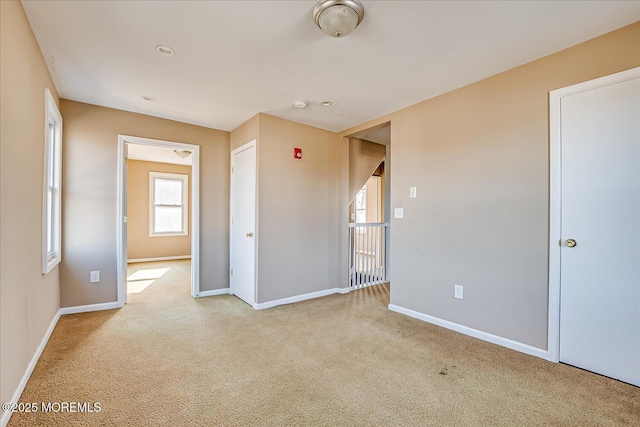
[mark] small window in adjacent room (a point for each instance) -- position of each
(361, 208)
(51, 218)
(168, 204)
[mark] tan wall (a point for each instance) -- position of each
(302, 208)
(479, 157)
(246, 132)
(364, 159)
(29, 300)
(139, 244)
(89, 199)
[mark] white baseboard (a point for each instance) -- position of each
(223, 291)
(344, 290)
(485, 336)
(90, 307)
(4, 420)
(164, 258)
(297, 298)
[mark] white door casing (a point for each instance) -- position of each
(243, 236)
(594, 320)
(121, 238)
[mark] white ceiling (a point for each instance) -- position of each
(151, 153)
(237, 58)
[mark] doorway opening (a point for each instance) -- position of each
(158, 217)
(369, 206)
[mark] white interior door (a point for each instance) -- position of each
(600, 275)
(243, 223)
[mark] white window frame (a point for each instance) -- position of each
(52, 186)
(185, 203)
(363, 193)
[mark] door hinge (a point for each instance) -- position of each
(232, 169)
(232, 271)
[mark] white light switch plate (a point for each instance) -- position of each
(458, 291)
(398, 213)
(412, 192)
(95, 277)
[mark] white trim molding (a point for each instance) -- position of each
(90, 307)
(52, 186)
(30, 367)
(555, 200)
(298, 298)
(121, 243)
(162, 258)
(484, 336)
(213, 292)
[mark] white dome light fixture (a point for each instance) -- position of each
(338, 18)
(182, 153)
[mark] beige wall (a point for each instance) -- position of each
(89, 200)
(246, 132)
(479, 157)
(364, 159)
(139, 244)
(29, 300)
(302, 207)
(300, 202)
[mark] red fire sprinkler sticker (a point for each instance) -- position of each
(297, 153)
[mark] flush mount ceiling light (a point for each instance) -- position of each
(338, 18)
(165, 50)
(149, 98)
(326, 103)
(182, 153)
(300, 104)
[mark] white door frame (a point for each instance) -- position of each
(249, 144)
(195, 210)
(555, 201)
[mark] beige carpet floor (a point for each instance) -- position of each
(166, 359)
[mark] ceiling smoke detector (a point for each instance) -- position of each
(338, 18)
(300, 104)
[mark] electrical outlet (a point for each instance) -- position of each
(458, 291)
(95, 277)
(398, 213)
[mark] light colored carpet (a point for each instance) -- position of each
(168, 359)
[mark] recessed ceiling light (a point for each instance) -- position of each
(165, 50)
(326, 103)
(148, 98)
(300, 104)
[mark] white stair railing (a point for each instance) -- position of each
(367, 254)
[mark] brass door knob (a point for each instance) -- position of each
(249, 234)
(570, 243)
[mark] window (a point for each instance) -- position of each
(361, 205)
(51, 219)
(168, 204)
(361, 208)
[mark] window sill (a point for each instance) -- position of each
(50, 264)
(168, 234)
